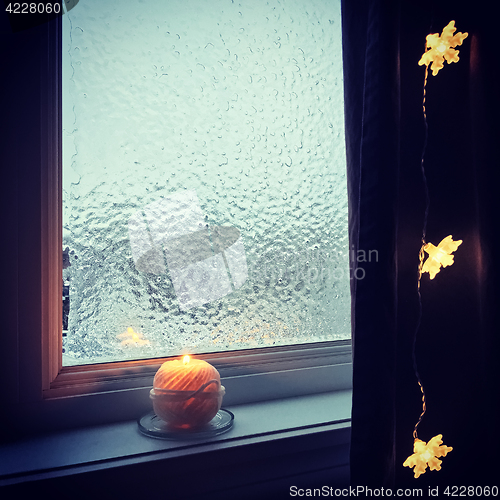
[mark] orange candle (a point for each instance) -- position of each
(187, 393)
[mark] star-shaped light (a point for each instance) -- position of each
(439, 256)
(132, 338)
(441, 48)
(426, 454)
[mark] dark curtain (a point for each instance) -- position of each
(457, 347)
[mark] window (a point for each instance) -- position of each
(204, 182)
(311, 364)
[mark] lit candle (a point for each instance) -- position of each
(187, 393)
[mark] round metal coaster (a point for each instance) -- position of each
(153, 426)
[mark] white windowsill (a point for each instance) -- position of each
(113, 445)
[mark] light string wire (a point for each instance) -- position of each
(421, 256)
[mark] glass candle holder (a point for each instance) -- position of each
(187, 409)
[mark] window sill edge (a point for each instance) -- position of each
(121, 444)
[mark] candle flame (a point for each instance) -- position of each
(186, 359)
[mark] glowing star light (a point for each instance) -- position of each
(132, 338)
(427, 454)
(441, 48)
(439, 256)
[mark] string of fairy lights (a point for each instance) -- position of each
(438, 49)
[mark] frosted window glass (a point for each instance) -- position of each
(204, 183)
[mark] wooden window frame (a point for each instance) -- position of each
(92, 394)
